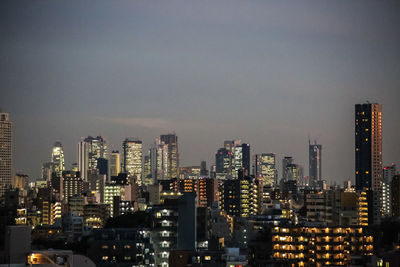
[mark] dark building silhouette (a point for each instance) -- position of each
(102, 166)
(187, 221)
(395, 193)
(368, 141)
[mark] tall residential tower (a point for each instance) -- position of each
(173, 154)
(368, 135)
(315, 163)
(5, 153)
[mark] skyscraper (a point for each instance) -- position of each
(315, 163)
(368, 141)
(223, 159)
(264, 166)
(158, 162)
(173, 154)
(57, 158)
(286, 161)
(132, 158)
(115, 163)
(83, 158)
(5, 152)
(90, 150)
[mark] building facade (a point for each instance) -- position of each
(5, 153)
(132, 161)
(315, 164)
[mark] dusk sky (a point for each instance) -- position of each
(270, 73)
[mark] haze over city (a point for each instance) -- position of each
(269, 73)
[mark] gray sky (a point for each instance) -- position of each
(267, 72)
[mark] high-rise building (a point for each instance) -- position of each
(159, 162)
(72, 184)
(368, 141)
(147, 180)
(5, 153)
(292, 172)
(315, 164)
(83, 159)
(203, 168)
(368, 154)
(286, 161)
(240, 197)
(388, 173)
(57, 158)
(132, 161)
(115, 163)
(223, 160)
(173, 154)
(90, 150)
(21, 181)
(395, 196)
(233, 158)
(264, 166)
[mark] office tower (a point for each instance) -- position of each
(223, 159)
(232, 158)
(315, 163)
(368, 141)
(388, 173)
(83, 159)
(159, 161)
(286, 161)
(5, 153)
(57, 158)
(147, 180)
(246, 158)
(47, 169)
(173, 154)
(264, 166)
(203, 169)
(115, 163)
(21, 181)
(102, 166)
(90, 150)
(292, 172)
(132, 158)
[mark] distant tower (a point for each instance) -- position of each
(173, 154)
(115, 163)
(57, 158)
(90, 150)
(5, 153)
(159, 162)
(286, 161)
(315, 163)
(133, 150)
(264, 165)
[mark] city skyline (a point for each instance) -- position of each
(269, 74)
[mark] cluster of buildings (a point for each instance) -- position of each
(239, 211)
